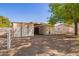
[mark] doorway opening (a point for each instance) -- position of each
(36, 29)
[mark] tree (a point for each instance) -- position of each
(67, 13)
(4, 22)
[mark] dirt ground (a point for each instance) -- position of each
(42, 45)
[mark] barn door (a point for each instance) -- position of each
(17, 30)
(31, 30)
(25, 30)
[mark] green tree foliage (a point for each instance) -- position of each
(4, 22)
(67, 13)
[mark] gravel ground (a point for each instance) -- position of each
(50, 46)
(42, 45)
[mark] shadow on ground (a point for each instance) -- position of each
(55, 45)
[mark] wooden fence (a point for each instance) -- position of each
(8, 39)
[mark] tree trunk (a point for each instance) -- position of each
(75, 30)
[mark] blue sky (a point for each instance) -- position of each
(25, 12)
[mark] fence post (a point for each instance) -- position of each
(9, 39)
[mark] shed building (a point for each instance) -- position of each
(23, 29)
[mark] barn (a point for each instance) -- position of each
(23, 29)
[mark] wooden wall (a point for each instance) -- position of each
(23, 29)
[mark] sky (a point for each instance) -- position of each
(25, 12)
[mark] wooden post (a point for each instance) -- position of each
(21, 30)
(9, 39)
